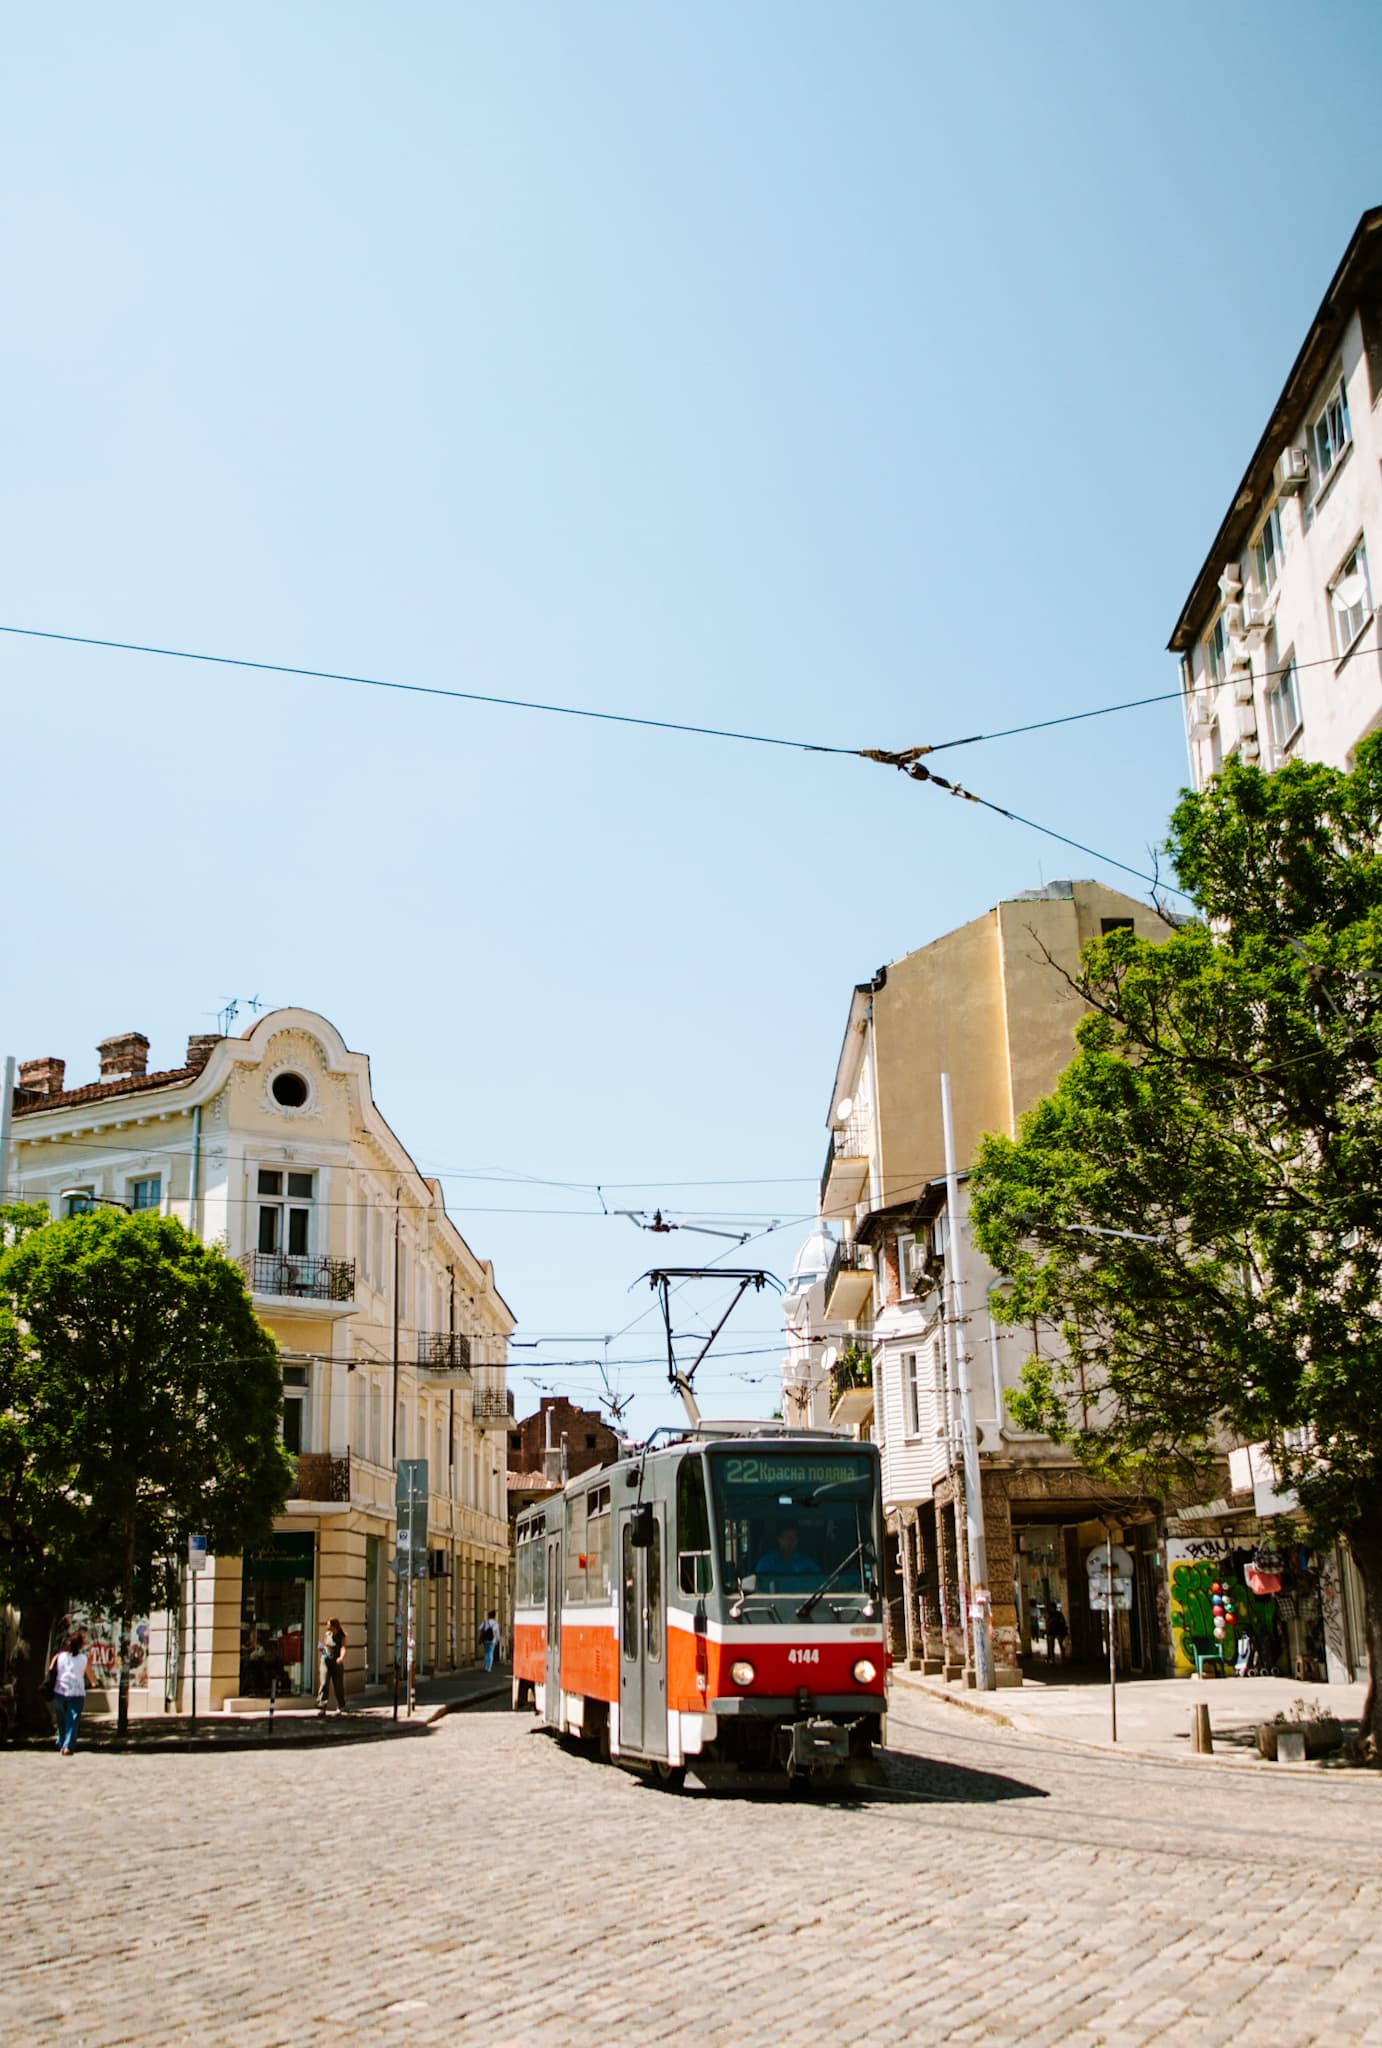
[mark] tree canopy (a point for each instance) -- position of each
(1196, 1209)
(139, 1400)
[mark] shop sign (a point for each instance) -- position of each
(282, 1557)
(196, 1554)
(1110, 1579)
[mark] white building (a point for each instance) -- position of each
(393, 1337)
(1278, 638)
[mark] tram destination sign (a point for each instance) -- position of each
(773, 1472)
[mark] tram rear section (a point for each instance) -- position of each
(711, 1606)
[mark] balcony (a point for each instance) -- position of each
(848, 1284)
(491, 1407)
(320, 1477)
(293, 1276)
(445, 1357)
(851, 1387)
(846, 1172)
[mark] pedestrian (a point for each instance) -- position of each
(69, 1672)
(1057, 1630)
(489, 1639)
(332, 1650)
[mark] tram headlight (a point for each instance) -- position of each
(865, 1672)
(742, 1672)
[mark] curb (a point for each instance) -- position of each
(232, 1733)
(1257, 1765)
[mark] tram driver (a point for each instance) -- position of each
(787, 1560)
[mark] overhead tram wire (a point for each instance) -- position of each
(908, 759)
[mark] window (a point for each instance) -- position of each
(652, 1568)
(1283, 704)
(294, 1408)
(78, 1202)
(1350, 600)
(1114, 924)
(693, 1528)
(1267, 551)
(289, 1091)
(1330, 435)
(285, 1215)
(1216, 748)
(590, 1442)
(911, 1396)
(628, 1629)
(1216, 650)
(575, 1548)
(597, 1544)
(146, 1194)
(376, 1424)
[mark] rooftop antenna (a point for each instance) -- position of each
(661, 1278)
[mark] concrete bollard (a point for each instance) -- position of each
(1201, 1734)
(1290, 1746)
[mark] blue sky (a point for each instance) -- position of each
(866, 374)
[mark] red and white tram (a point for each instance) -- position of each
(712, 1604)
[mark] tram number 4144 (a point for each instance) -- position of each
(803, 1656)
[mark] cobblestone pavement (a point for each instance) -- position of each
(483, 1884)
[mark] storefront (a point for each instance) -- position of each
(1057, 1621)
(1253, 1601)
(277, 1618)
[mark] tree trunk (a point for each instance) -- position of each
(32, 1716)
(1365, 1542)
(122, 1719)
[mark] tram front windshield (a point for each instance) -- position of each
(795, 1523)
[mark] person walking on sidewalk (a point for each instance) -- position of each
(333, 1651)
(69, 1668)
(489, 1639)
(1057, 1629)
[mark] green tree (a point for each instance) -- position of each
(142, 1402)
(1196, 1209)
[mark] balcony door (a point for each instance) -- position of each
(285, 1222)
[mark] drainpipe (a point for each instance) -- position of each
(6, 1103)
(194, 1181)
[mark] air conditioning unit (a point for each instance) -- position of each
(1292, 472)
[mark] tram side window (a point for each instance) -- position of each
(538, 1568)
(597, 1544)
(523, 1590)
(652, 1565)
(628, 1628)
(693, 1529)
(575, 1548)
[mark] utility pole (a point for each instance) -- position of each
(398, 1195)
(976, 1544)
(5, 1103)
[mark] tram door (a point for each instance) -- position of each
(642, 1644)
(552, 1680)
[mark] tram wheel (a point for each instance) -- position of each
(672, 1777)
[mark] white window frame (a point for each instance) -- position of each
(1330, 435)
(911, 1396)
(287, 1206)
(1267, 559)
(1347, 625)
(1282, 699)
(1216, 651)
(144, 1180)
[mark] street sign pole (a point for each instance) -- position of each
(412, 1499)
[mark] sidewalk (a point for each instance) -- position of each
(298, 1721)
(1154, 1714)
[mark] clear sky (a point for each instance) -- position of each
(867, 374)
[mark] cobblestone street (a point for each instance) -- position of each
(482, 1884)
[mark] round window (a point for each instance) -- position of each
(290, 1090)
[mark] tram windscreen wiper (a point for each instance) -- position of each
(824, 1587)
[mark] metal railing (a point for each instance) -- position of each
(296, 1275)
(320, 1476)
(850, 1141)
(446, 1350)
(491, 1404)
(853, 1368)
(849, 1258)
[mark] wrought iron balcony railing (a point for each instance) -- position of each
(321, 1477)
(491, 1405)
(849, 1257)
(294, 1275)
(445, 1350)
(850, 1141)
(852, 1369)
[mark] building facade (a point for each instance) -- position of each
(1278, 637)
(990, 1006)
(393, 1336)
(561, 1440)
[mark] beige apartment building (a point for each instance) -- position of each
(393, 1333)
(873, 1342)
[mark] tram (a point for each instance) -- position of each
(711, 1605)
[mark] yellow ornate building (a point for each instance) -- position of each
(393, 1334)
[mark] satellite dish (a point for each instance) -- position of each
(1349, 591)
(844, 1109)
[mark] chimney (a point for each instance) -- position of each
(126, 1053)
(200, 1047)
(41, 1077)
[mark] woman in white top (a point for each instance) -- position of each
(70, 1665)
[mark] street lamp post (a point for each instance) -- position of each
(93, 1201)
